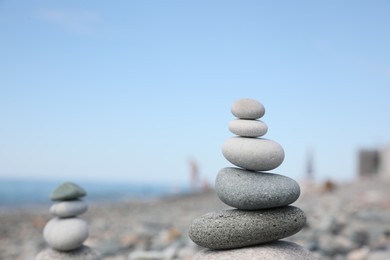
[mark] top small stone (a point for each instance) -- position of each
(247, 108)
(68, 191)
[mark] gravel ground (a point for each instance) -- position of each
(349, 221)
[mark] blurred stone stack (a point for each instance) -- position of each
(66, 233)
(261, 199)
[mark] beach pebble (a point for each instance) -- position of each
(358, 254)
(70, 208)
(68, 191)
(148, 255)
(248, 128)
(228, 229)
(379, 255)
(82, 253)
(270, 251)
(247, 108)
(65, 234)
(250, 190)
(256, 154)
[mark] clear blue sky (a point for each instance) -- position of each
(130, 90)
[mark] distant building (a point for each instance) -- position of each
(310, 166)
(384, 168)
(368, 163)
(374, 163)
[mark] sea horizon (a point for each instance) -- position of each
(26, 192)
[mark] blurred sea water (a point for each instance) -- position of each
(14, 193)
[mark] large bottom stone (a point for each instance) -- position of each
(228, 229)
(65, 234)
(83, 253)
(270, 251)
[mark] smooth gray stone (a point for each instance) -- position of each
(256, 154)
(69, 208)
(248, 128)
(248, 108)
(68, 191)
(250, 190)
(270, 251)
(82, 253)
(228, 229)
(65, 234)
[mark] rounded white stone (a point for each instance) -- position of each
(247, 108)
(275, 250)
(248, 128)
(82, 253)
(65, 234)
(69, 208)
(256, 154)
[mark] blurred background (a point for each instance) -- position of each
(131, 99)
(131, 91)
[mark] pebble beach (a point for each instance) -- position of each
(344, 221)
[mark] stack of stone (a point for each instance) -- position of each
(66, 233)
(261, 199)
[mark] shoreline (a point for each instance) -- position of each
(341, 220)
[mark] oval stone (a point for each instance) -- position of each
(228, 229)
(65, 234)
(256, 154)
(70, 208)
(68, 191)
(82, 253)
(250, 190)
(274, 250)
(247, 108)
(248, 128)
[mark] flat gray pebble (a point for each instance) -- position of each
(83, 253)
(68, 191)
(69, 208)
(248, 128)
(228, 229)
(270, 251)
(250, 190)
(256, 154)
